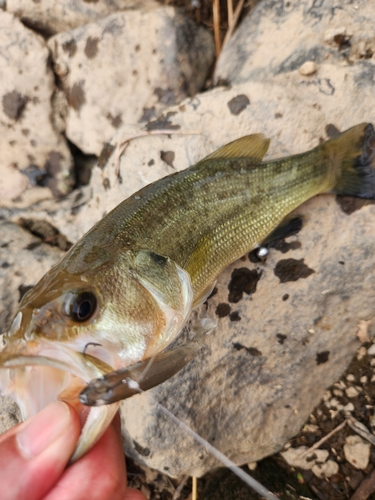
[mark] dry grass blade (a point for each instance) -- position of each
(179, 488)
(230, 12)
(234, 22)
(216, 16)
(194, 492)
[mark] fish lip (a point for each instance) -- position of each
(62, 357)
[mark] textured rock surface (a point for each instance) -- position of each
(126, 68)
(28, 141)
(280, 36)
(54, 16)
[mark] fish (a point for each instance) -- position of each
(123, 293)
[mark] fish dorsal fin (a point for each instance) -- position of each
(250, 146)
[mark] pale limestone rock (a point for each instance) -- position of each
(357, 452)
(28, 141)
(327, 469)
(352, 392)
(126, 68)
(12, 182)
(54, 16)
(371, 350)
(308, 68)
(297, 457)
(306, 31)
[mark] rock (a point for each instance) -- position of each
(127, 67)
(54, 16)
(327, 469)
(308, 68)
(31, 150)
(348, 407)
(352, 392)
(318, 32)
(24, 259)
(297, 457)
(371, 350)
(357, 452)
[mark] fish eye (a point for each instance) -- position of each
(80, 307)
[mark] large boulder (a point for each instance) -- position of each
(32, 149)
(126, 68)
(279, 37)
(54, 16)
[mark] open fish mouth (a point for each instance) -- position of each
(35, 374)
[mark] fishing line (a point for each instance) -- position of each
(246, 478)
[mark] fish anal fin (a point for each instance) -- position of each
(289, 226)
(250, 146)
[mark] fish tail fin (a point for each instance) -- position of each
(351, 157)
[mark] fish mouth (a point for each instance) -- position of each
(36, 374)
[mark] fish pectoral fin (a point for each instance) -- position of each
(250, 146)
(164, 279)
(149, 373)
(289, 226)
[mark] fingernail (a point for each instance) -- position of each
(43, 429)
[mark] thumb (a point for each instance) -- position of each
(34, 454)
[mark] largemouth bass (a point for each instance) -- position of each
(126, 289)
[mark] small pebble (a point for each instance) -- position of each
(349, 407)
(350, 378)
(338, 392)
(327, 395)
(294, 457)
(252, 465)
(373, 378)
(310, 428)
(361, 353)
(352, 392)
(308, 68)
(334, 402)
(328, 469)
(357, 452)
(363, 379)
(372, 362)
(371, 350)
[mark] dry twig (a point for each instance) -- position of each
(234, 22)
(366, 488)
(216, 16)
(323, 440)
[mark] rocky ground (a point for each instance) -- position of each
(287, 327)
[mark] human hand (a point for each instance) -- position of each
(34, 457)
